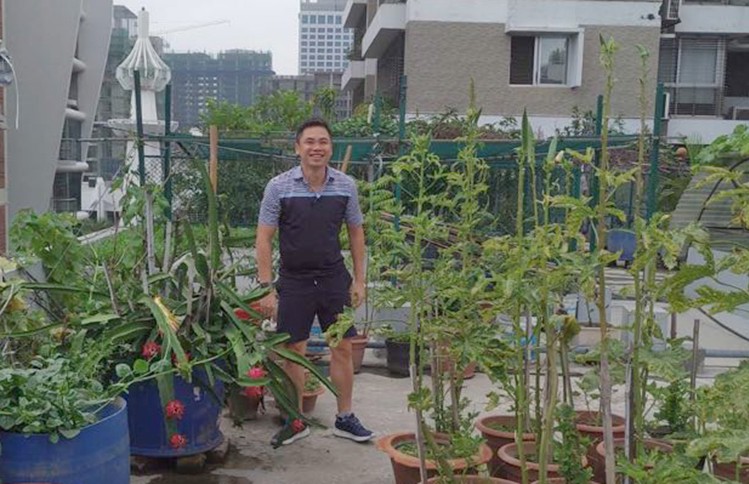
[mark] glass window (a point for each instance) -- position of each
(305, 19)
(304, 43)
(337, 37)
(330, 29)
(305, 29)
(330, 19)
(552, 60)
(698, 62)
(329, 57)
(338, 19)
(330, 44)
(313, 19)
(329, 64)
(304, 36)
(304, 50)
(321, 19)
(330, 37)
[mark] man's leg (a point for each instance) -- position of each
(342, 374)
(296, 372)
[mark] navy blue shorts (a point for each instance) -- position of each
(300, 300)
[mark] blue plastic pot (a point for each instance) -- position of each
(98, 454)
(200, 423)
(624, 241)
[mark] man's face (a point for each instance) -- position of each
(314, 147)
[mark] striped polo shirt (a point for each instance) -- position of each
(309, 222)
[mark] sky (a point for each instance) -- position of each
(253, 24)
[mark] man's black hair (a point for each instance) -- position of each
(313, 123)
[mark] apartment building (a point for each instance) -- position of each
(323, 41)
(233, 76)
(3, 126)
(704, 65)
(59, 51)
(536, 55)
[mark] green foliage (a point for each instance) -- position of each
(734, 146)
(50, 238)
(61, 390)
(571, 448)
(281, 111)
(672, 469)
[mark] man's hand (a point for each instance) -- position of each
(268, 305)
(358, 293)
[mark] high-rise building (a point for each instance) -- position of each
(324, 43)
(3, 125)
(233, 76)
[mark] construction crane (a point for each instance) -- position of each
(192, 27)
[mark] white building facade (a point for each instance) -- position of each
(324, 43)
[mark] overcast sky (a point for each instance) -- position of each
(253, 24)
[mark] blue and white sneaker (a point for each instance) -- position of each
(349, 427)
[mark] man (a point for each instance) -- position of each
(307, 205)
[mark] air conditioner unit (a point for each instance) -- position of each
(671, 9)
(741, 113)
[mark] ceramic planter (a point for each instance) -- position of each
(309, 399)
(497, 438)
(358, 347)
(511, 467)
(727, 470)
(599, 466)
(406, 467)
(588, 425)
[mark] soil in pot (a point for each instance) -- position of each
(499, 430)
(406, 467)
(651, 446)
(358, 347)
(511, 467)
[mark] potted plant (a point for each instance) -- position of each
(313, 388)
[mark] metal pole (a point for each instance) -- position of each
(655, 150)
(213, 159)
(594, 185)
(693, 372)
(139, 130)
(167, 150)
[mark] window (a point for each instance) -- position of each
(313, 19)
(692, 70)
(304, 50)
(331, 30)
(543, 60)
(305, 29)
(329, 64)
(305, 19)
(330, 19)
(321, 19)
(338, 19)
(304, 36)
(304, 43)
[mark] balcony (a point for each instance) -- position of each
(355, 14)
(387, 24)
(357, 72)
(353, 75)
(718, 17)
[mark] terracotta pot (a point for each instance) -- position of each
(309, 399)
(241, 407)
(498, 438)
(406, 467)
(358, 346)
(511, 465)
(559, 480)
(599, 466)
(472, 480)
(586, 422)
(727, 470)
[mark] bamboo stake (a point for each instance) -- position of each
(213, 160)
(346, 158)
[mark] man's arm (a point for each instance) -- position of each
(264, 260)
(358, 252)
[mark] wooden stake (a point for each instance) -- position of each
(346, 158)
(213, 160)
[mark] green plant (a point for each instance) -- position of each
(571, 448)
(62, 389)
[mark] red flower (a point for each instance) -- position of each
(175, 409)
(297, 425)
(242, 314)
(256, 373)
(177, 441)
(150, 349)
(252, 392)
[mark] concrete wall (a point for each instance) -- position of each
(42, 35)
(442, 57)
